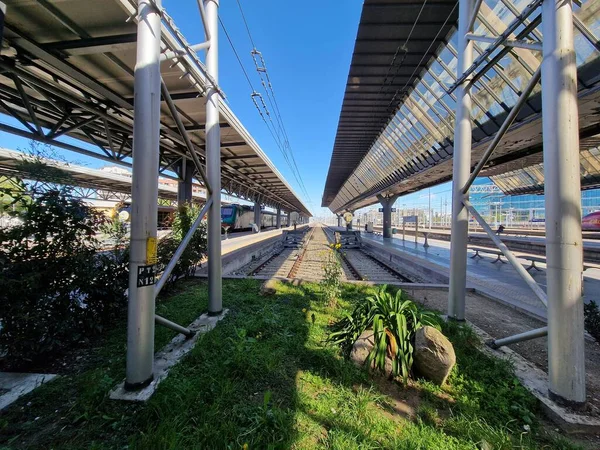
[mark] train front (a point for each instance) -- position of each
(228, 217)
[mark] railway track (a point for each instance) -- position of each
(307, 262)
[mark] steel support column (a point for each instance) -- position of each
(278, 218)
(460, 169)
(184, 186)
(387, 203)
(144, 213)
(564, 252)
(213, 162)
(257, 216)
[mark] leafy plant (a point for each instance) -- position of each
(592, 319)
(195, 251)
(332, 275)
(394, 321)
(56, 288)
(116, 230)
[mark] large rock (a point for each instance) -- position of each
(269, 287)
(434, 355)
(361, 349)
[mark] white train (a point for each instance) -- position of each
(237, 217)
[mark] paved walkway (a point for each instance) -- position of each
(497, 279)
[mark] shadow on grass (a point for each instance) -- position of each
(262, 379)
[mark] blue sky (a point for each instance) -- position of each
(307, 48)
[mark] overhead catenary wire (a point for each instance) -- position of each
(266, 115)
(278, 125)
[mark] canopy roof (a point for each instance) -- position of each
(390, 55)
(69, 72)
(410, 147)
(13, 164)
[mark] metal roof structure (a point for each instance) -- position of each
(389, 56)
(530, 179)
(395, 134)
(12, 165)
(68, 71)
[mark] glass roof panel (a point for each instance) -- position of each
(425, 120)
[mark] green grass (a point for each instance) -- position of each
(263, 378)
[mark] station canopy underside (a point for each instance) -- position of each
(396, 127)
(69, 71)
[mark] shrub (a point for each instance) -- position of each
(394, 320)
(55, 288)
(194, 253)
(592, 319)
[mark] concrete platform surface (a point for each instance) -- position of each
(494, 279)
(167, 358)
(236, 241)
(536, 381)
(15, 385)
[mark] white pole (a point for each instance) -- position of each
(213, 162)
(257, 218)
(430, 214)
(460, 170)
(564, 253)
(144, 212)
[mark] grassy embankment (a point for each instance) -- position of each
(264, 379)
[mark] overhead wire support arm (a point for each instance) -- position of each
(183, 132)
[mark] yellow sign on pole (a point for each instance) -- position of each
(151, 257)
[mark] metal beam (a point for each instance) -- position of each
(526, 336)
(89, 46)
(184, 135)
(181, 248)
(515, 43)
(512, 259)
(510, 118)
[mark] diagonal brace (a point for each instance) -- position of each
(184, 134)
(182, 246)
(538, 291)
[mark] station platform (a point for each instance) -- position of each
(495, 280)
(237, 241)
(524, 241)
